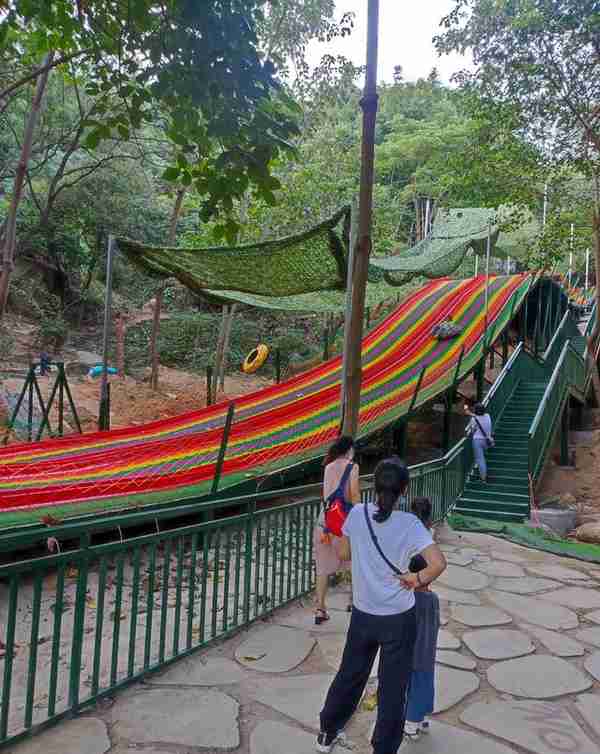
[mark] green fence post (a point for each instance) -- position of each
(71, 402)
(416, 391)
(248, 550)
(223, 448)
(30, 407)
(78, 629)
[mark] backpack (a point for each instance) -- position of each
(337, 507)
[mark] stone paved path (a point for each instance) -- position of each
(519, 673)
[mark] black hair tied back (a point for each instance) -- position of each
(391, 479)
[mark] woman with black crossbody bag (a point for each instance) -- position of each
(383, 616)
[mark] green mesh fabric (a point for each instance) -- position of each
(311, 261)
(323, 301)
(454, 232)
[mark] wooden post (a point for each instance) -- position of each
(363, 248)
(154, 355)
(226, 339)
(209, 385)
(278, 365)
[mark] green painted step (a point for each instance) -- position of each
(507, 485)
(516, 518)
(470, 503)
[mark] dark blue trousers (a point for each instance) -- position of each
(394, 636)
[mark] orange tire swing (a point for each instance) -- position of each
(255, 359)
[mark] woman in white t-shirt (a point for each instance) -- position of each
(480, 427)
(383, 616)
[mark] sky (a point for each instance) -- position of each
(406, 30)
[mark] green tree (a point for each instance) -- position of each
(199, 61)
(541, 57)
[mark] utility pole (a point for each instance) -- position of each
(571, 252)
(348, 310)
(368, 103)
(587, 269)
(104, 418)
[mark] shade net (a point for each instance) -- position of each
(273, 429)
(311, 261)
(454, 232)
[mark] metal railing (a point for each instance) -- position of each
(569, 372)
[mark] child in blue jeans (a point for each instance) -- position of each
(421, 690)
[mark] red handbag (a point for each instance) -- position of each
(336, 506)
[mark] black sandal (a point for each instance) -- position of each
(321, 616)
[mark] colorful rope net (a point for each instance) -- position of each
(275, 428)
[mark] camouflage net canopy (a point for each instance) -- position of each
(308, 271)
(378, 291)
(305, 263)
(454, 232)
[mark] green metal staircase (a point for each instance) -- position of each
(529, 405)
(505, 496)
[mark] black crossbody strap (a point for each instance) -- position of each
(481, 428)
(397, 571)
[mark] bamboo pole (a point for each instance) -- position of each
(368, 104)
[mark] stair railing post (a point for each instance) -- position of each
(416, 391)
(223, 448)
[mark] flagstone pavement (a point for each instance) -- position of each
(518, 672)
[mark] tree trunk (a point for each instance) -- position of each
(158, 299)
(226, 340)
(10, 235)
(363, 248)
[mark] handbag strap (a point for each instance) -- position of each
(396, 570)
(483, 432)
(339, 490)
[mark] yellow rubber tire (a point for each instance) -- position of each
(255, 359)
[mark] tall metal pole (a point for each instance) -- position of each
(587, 269)
(488, 248)
(571, 252)
(476, 264)
(545, 210)
(368, 104)
(103, 413)
(348, 312)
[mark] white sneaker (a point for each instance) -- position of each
(411, 729)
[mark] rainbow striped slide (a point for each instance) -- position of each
(275, 428)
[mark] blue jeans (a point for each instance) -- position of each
(479, 448)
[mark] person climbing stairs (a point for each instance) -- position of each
(505, 495)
